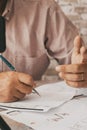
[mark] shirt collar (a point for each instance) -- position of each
(8, 10)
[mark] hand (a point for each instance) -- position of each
(79, 54)
(75, 74)
(14, 86)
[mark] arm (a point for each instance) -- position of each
(60, 45)
(60, 34)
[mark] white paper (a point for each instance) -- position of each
(52, 95)
(70, 116)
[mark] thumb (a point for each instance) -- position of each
(77, 44)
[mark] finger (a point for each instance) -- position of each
(72, 68)
(14, 99)
(26, 89)
(83, 52)
(77, 44)
(73, 77)
(33, 86)
(25, 78)
(8, 99)
(82, 84)
(19, 95)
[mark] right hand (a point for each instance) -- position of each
(14, 86)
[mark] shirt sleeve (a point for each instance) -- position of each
(60, 34)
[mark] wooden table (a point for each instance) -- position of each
(15, 125)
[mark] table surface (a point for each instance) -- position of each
(15, 125)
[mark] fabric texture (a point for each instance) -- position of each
(34, 30)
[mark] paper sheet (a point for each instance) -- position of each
(52, 95)
(70, 116)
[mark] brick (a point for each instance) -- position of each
(68, 1)
(84, 16)
(81, 9)
(82, 1)
(74, 17)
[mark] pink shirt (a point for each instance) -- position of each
(34, 30)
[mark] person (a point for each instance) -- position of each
(36, 29)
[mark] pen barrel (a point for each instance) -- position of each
(7, 63)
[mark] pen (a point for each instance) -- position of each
(13, 69)
(3, 125)
(7, 63)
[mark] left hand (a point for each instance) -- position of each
(75, 74)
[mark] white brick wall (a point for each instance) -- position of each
(76, 10)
